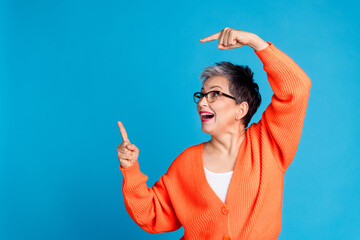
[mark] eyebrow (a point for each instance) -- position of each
(212, 87)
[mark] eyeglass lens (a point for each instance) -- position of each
(211, 97)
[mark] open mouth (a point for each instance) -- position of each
(206, 117)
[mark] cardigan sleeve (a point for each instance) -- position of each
(150, 208)
(283, 119)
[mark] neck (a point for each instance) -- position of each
(227, 144)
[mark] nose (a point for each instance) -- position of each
(203, 101)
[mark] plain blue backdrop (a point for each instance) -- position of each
(69, 70)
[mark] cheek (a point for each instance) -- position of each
(225, 112)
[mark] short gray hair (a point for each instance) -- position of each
(241, 85)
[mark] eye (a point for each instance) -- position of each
(216, 93)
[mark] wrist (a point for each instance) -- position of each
(257, 43)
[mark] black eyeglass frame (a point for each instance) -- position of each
(206, 94)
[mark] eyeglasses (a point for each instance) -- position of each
(211, 96)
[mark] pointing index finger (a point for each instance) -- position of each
(211, 38)
(123, 132)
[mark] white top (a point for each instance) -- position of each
(219, 182)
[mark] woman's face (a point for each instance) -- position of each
(224, 108)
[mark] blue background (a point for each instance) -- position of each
(70, 70)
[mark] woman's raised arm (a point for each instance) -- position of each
(283, 119)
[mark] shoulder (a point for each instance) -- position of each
(185, 159)
(253, 134)
(190, 151)
(253, 128)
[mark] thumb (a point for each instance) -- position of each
(130, 146)
(133, 148)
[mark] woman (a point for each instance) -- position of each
(231, 186)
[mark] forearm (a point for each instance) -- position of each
(286, 78)
(150, 208)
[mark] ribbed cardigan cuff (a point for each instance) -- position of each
(267, 53)
(132, 175)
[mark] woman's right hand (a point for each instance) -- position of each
(127, 153)
(231, 38)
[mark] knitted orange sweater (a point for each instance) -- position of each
(253, 205)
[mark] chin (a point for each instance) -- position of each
(206, 130)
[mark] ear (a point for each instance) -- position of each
(242, 110)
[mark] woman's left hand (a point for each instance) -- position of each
(231, 38)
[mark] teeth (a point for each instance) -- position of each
(207, 116)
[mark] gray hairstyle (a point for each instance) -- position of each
(241, 85)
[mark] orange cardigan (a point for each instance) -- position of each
(253, 205)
